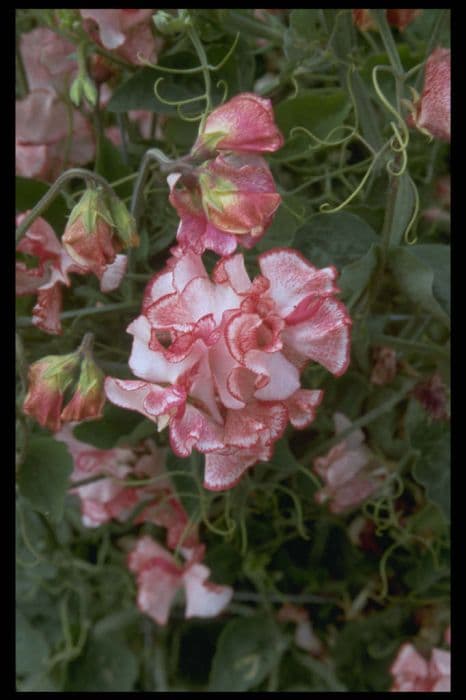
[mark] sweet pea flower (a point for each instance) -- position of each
(108, 498)
(42, 129)
(218, 359)
(349, 470)
(395, 18)
(127, 32)
(49, 61)
(48, 380)
(431, 112)
(159, 578)
(244, 124)
(46, 280)
(230, 200)
(412, 673)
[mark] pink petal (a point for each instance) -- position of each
(282, 374)
(109, 22)
(204, 599)
(302, 406)
(224, 470)
(46, 312)
(113, 274)
(233, 272)
(293, 280)
(324, 337)
(194, 429)
(143, 397)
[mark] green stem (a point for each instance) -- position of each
(388, 41)
(25, 321)
(54, 190)
(205, 72)
(236, 22)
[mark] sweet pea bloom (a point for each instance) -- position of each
(159, 578)
(109, 498)
(47, 278)
(243, 124)
(48, 60)
(432, 110)
(349, 470)
(412, 673)
(230, 200)
(218, 359)
(48, 380)
(42, 121)
(127, 32)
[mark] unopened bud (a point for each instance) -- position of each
(88, 400)
(124, 223)
(48, 380)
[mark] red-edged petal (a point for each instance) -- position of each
(46, 312)
(194, 429)
(302, 406)
(324, 337)
(232, 271)
(282, 374)
(293, 280)
(113, 274)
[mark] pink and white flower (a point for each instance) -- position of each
(226, 201)
(244, 124)
(304, 637)
(49, 61)
(432, 110)
(218, 359)
(412, 673)
(159, 578)
(109, 498)
(349, 470)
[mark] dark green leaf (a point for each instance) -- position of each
(43, 478)
(106, 666)
(319, 111)
(31, 648)
(110, 430)
(356, 275)
(29, 192)
(247, 651)
(185, 486)
(110, 164)
(432, 468)
(403, 209)
(424, 277)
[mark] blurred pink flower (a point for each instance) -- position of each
(127, 32)
(412, 673)
(433, 396)
(432, 110)
(219, 359)
(349, 470)
(49, 61)
(396, 18)
(305, 637)
(43, 125)
(159, 578)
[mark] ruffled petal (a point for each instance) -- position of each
(204, 599)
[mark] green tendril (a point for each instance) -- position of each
(175, 103)
(224, 85)
(408, 240)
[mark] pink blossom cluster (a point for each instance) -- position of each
(126, 32)
(159, 576)
(218, 358)
(229, 197)
(50, 133)
(412, 673)
(52, 273)
(350, 471)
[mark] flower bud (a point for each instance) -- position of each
(432, 110)
(48, 380)
(89, 398)
(88, 237)
(245, 124)
(124, 223)
(238, 194)
(168, 24)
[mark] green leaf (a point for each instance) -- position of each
(106, 666)
(356, 275)
(334, 239)
(432, 468)
(422, 273)
(109, 431)
(319, 111)
(304, 35)
(29, 192)
(247, 651)
(138, 93)
(403, 209)
(31, 648)
(43, 478)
